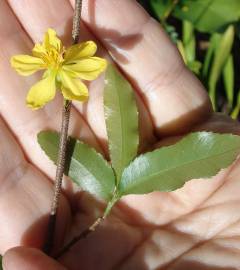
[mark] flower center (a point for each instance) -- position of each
(53, 58)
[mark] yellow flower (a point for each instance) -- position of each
(64, 69)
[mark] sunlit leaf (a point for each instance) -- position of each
(194, 66)
(208, 15)
(213, 43)
(182, 51)
(121, 117)
(198, 155)
(84, 165)
(221, 55)
(189, 41)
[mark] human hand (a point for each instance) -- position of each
(195, 227)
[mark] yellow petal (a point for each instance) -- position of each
(72, 89)
(81, 50)
(51, 40)
(42, 92)
(39, 50)
(87, 69)
(26, 65)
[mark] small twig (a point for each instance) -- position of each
(48, 245)
(82, 235)
(91, 228)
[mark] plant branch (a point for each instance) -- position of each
(90, 229)
(48, 245)
(82, 235)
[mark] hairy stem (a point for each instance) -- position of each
(48, 245)
(76, 21)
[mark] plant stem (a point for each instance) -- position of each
(82, 235)
(76, 21)
(48, 245)
(90, 229)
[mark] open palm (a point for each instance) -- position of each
(196, 227)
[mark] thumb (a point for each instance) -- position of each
(23, 258)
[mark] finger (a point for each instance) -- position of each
(36, 17)
(24, 122)
(175, 98)
(23, 258)
(25, 199)
(219, 123)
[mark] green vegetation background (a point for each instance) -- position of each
(207, 34)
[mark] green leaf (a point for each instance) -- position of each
(235, 112)
(162, 8)
(213, 43)
(189, 41)
(228, 76)
(221, 55)
(182, 51)
(208, 15)
(121, 117)
(198, 155)
(187, 48)
(195, 66)
(84, 165)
